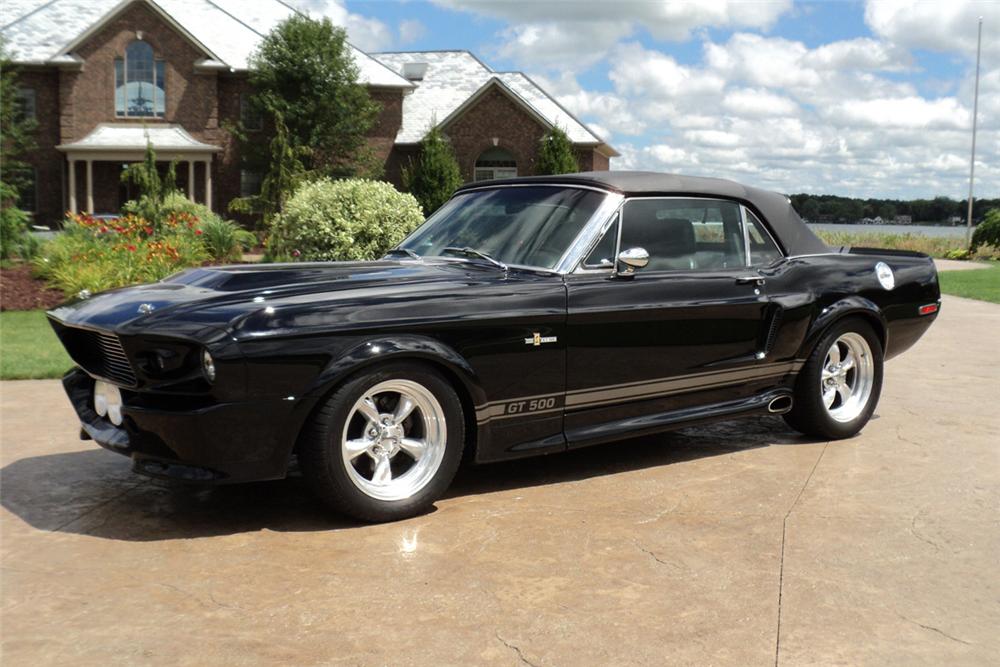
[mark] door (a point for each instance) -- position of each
(684, 331)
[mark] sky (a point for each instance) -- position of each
(864, 99)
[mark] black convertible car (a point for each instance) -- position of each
(524, 317)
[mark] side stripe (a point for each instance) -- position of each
(619, 393)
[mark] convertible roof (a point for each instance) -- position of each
(775, 207)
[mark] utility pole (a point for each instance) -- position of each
(975, 112)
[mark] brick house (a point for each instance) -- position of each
(102, 77)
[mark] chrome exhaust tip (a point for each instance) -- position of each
(780, 405)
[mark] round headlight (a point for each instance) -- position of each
(208, 366)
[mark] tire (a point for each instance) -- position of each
(855, 390)
(361, 460)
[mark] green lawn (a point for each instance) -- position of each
(982, 284)
(29, 348)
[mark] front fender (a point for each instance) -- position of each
(380, 349)
(846, 307)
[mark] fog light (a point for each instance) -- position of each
(108, 402)
(208, 366)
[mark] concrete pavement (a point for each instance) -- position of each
(735, 544)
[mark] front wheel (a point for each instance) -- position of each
(386, 444)
(839, 386)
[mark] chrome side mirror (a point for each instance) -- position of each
(630, 260)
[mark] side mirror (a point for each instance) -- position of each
(630, 260)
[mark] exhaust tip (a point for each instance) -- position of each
(780, 405)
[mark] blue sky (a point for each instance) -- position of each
(852, 98)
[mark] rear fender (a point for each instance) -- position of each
(847, 307)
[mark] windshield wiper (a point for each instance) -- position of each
(403, 251)
(472, 252)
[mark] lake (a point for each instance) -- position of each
(923, 230)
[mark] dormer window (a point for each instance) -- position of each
(140, 86)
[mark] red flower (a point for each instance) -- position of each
(103, 229)
(149, 231)
(296, 253)
(131, 248)
(197, 232)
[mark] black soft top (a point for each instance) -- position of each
(774, 207)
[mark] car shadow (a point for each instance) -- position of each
(94, 493)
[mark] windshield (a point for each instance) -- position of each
(527, 226)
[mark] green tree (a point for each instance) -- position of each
(810, 209)
(433, 178)
(285, 174)
(556, 154)
(304, 73)
(153, 188)
(16, 138)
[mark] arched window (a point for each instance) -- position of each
(139, 83)
(495, 163)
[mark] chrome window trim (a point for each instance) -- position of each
(763, 225)
(583, 269)
(612, 220)
(591, 232)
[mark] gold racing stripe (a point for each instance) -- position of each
(527, 406)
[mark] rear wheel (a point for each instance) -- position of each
(386, 444)
(839, 386)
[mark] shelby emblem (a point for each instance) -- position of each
(537, 339)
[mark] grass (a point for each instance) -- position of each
(982, 284)
(29, 348)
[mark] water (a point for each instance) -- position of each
(922, 230)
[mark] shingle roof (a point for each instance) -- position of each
(452, 78)
(39, 31)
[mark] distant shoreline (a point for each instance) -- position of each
(920, 230)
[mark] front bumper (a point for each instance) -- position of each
(206, 443)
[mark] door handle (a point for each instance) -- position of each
(751, 280)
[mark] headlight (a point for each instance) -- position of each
(208, 366)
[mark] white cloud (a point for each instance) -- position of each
(906, 112)
(945, 25)
(410, 30)
(758, 102)
(575, 35)
(366, 33)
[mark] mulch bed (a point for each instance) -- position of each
(19, 291)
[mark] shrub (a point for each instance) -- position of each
(224, 240)
(435, 176)
(987, 232)
(13, 231)
(97, 255)
(343, 220)
(556, 154)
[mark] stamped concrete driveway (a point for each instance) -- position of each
(737, 544)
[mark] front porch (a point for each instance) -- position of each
(94, 165)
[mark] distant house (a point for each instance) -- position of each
(902, 220)
(102, 77)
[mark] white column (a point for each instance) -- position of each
(90, 186)
(208, 184)
(191, 180)
(72, 186)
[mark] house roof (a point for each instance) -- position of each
(116, 137)
(454, 80)
(46, 32)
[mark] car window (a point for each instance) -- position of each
(603, 254)
(762, 248)
(529, 226)
(684, 233)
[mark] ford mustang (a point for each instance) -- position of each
(525, 317)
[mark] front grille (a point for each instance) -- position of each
(99, 353)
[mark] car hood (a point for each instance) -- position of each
(212, 301)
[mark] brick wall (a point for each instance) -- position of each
(47, 161)
(495, 115)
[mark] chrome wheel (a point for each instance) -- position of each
(394, 440)
(847, 377)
